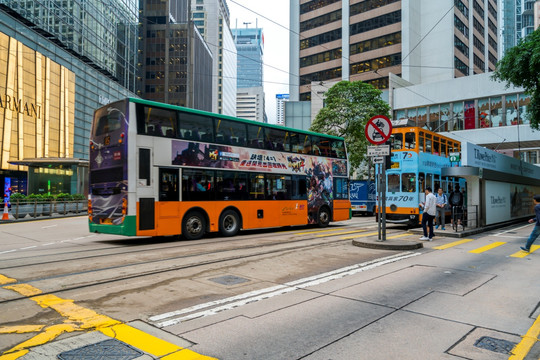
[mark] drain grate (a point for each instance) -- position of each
(109, 349)
(229, 280)
(495, 345)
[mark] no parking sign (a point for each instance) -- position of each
(378, 129)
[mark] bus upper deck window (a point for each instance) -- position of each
(338, 149)
(410, 140)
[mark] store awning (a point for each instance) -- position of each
(51, 162)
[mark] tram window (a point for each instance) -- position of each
(196, 127)
(396, 140)
(408, 182)
(428, 143)
(231, 185)
(436, 145)
(255, 136)
(437, 183)
(429, 181)
(230, 132)
(421, 182)
(410, 140)
(393, 183)
(443, 147)
(421, 140)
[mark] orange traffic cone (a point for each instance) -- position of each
(6, 212)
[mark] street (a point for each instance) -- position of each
(287, 293)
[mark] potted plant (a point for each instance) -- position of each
(19, 206)
(79, 200)
(35, 201)
(47, 204)
(64, 203)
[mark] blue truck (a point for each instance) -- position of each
(363, 196)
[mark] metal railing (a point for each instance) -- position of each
(21, 209)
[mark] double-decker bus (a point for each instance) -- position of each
(418, 155)
(160, 170)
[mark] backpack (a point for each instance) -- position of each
(456, 198)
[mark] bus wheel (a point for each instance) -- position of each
(324, 217)
(194, 225)
(229, 223)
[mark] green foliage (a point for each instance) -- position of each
(79, 197)
(348, 107)
(47, 197)
(34, 197)
(20, 197)
(520, 66)
(64, 197)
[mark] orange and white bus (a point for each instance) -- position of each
(159, 170)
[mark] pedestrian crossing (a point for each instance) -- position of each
(485, 248)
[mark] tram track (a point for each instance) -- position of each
(284, 247)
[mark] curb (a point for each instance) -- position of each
(374, 243)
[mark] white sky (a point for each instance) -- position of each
(276, 43)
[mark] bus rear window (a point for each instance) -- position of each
(108, 123)
(107, 175)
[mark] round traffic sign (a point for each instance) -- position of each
(378, 129)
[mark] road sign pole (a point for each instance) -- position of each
(379, 203)
(383, 216)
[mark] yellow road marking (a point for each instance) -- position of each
(398, 236)
(455, 243)
(487, 247)
(358, 236)
(79, 318)
(149, 343)
(527, 342)
(23, 329)
(318, 231)
(342, 233)
(5, 280)
(522, 254)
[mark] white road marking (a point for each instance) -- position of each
(47, 244)
(50, 226)
(257, 295)
(514, 229)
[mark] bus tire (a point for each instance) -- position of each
(229, 223)
(193, 225)
(324, 217)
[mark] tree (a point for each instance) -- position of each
(348, 107)
(520, 66)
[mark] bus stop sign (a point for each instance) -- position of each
(378, 129)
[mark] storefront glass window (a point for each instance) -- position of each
(496, 111)
(457, 116)
(511, 110)
(524, 101)
(434, 116)
(421, 117)
(483, 113)
(469, 115)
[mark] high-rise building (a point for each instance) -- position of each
(176, 64)
(250, 104)
(518, 21)
(281, 99)
(537, 14)
(101, 34)
(212, 18)
(250, 48)
(421, 41)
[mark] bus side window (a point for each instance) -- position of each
(410, 140)
(307, 144)
(338, 149)
(196, 127)
(299, 188)
(255, 136)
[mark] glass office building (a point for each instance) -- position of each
(101, 34)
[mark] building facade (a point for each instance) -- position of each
(212, 19)
(49, 94)
(176, 65)
(250, 104)
(250, 49)
(333, 40)
(518, 20)
(281, 99)
(474, 109)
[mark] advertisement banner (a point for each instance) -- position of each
(508, 201)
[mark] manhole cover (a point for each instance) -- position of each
(109, 349)
(229, 280)
(496, 345)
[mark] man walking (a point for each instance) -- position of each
(442, 200)
(536, 230)
(428, 215)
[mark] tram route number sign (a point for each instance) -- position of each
(378, 129)
(383, 150)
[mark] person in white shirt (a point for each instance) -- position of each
(430, 210)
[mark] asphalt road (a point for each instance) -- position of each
(290, 293)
